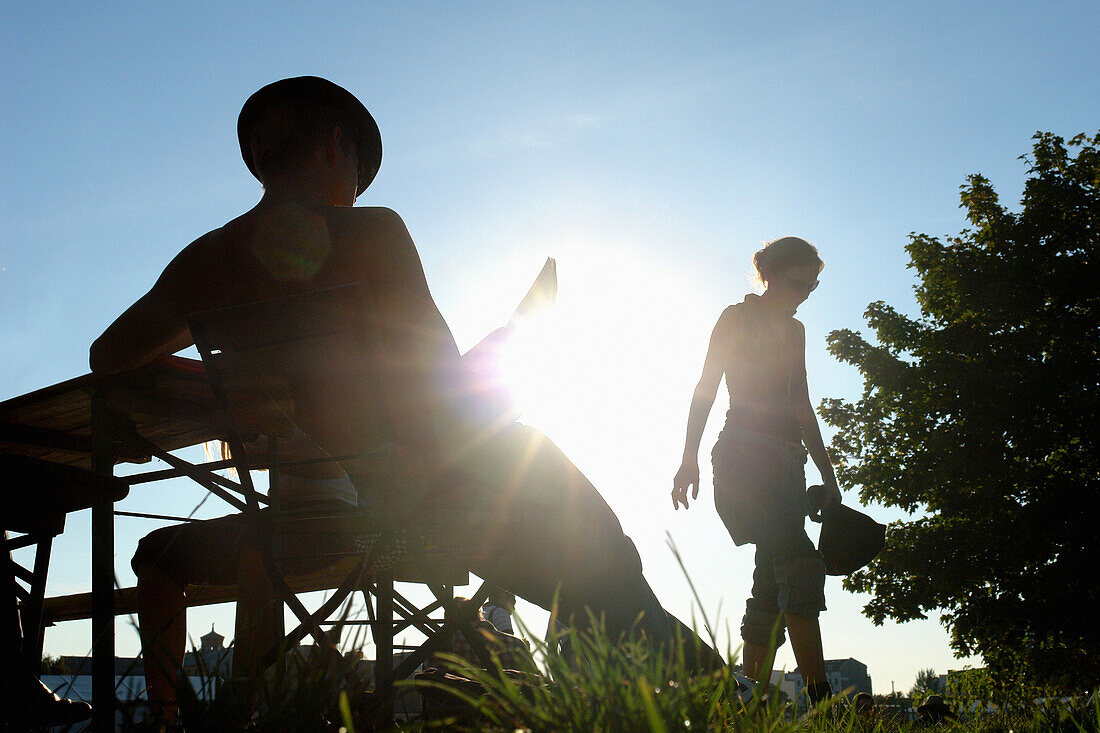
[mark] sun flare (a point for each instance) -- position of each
(608, 371)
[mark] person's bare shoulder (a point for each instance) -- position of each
(195, 255)
(731, 321)
(156, 323)
(380, 247)
(377, 227)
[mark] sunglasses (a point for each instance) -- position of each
(802, 285)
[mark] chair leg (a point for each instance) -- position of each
(11, 634)
(444, 595)
(31, 618)
(382, 632)
(275, 480)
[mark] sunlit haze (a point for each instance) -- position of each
(650, 148)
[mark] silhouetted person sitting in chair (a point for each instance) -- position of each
(315, 148)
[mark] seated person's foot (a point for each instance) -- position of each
(152, 725)
(43, 708)
(163, 717)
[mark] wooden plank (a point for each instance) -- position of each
(54, 423)
(79, 605)
(43, 437)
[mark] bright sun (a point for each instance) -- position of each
(607, 373)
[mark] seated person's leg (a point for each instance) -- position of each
(162, 625)
(168, 560)
(255, 629)
(549, 529)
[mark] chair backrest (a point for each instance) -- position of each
(259, 353)
(258, 356)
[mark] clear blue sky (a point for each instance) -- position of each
(650, 147)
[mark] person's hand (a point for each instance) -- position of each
(687, 476)
(832, 491)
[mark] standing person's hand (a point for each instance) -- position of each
(687, 476)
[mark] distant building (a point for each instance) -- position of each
(846, 677)
(212, 659)
(124, 666)
(205, 666)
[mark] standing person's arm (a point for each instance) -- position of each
(701, 403)
(807, 419)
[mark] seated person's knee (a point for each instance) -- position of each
(153, 557)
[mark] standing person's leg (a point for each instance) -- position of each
(799, 571)
(748, 468)
(805, 636)
(762, 624)
(800, 577)
(787, 591)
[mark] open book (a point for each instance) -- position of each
(489, 393)
(541, 294)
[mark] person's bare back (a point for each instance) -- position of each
(286, 247)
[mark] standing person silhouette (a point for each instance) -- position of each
(759, 476)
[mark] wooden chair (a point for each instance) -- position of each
(254, 354)
(35, 497)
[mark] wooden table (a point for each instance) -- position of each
(97, 422)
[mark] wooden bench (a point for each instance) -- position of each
(35, 498)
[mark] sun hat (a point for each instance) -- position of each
(935, 708)
(313, 90)
(849, 538)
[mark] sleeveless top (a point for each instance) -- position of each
(764, 371)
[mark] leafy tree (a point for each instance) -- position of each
(978, 418)
(52, 665)
(974, 689)
(927, 683)
(893, 699)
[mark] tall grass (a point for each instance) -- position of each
(601, 684)
(607, 686)
(628, 687)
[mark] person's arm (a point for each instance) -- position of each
(701, 402)
(807, 419)
(153, 326)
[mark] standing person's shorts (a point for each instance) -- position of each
(760, 494)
